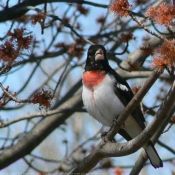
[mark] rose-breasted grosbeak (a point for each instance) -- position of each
(105, 95)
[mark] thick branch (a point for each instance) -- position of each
(20, 9)
(144, 74)
(38, 133)
(138, 57)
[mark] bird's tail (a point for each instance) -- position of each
(153, 155)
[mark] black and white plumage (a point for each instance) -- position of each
(105, 95)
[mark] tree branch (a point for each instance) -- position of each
(138, 57)
(38, 133)
(19, 9)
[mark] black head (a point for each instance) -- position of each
(96, 58)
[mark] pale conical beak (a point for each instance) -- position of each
(99, 55)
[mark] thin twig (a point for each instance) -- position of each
(166, 147)
(66, 24)
(145, 28)
(43, 114)
(12, 96)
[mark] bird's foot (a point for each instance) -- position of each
(105, 139)
(115, 121)
(103, 136)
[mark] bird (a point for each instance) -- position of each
(105, 94)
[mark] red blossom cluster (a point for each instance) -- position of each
(125, 37)
(121, 8)
(164, 57)
(65, 20)
(19, 35)
(38, 18)
(15, 42)
(75, 49)
(8, 52)
(43, 98)
(62, 45)
(101, 19)
(84, 11)
(118, 171)
(163, 14)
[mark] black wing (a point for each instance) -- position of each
(124, 92)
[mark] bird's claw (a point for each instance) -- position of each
(105, 139)
(115, 121)
(103, 136)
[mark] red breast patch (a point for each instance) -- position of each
(93, 78)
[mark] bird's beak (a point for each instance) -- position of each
(99, 55)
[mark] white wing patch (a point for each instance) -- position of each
(122, 87)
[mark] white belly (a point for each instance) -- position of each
(102, 103)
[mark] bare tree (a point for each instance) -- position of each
(44, 126)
